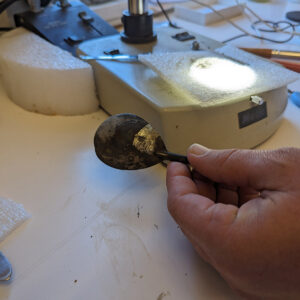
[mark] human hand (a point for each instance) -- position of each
(241, 211)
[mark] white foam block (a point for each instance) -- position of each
(43, 78)
(12, 215)
(226, 74)
(204, 15)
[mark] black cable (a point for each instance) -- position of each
(275, 26)
(5, 4)
(5, 28)
(166, 15)
(234, 38)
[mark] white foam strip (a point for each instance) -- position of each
(12, 215)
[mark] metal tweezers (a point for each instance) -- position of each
(116, 57)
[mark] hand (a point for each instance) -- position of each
(241, 211)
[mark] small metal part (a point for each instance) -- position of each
(86, 18)
(73, 40)
(5, 268)
(112, 52)
(257, 100)
(195, 46)
(183, 36)
(137, 7)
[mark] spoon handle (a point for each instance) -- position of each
(173, 157)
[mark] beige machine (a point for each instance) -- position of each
(244, 120)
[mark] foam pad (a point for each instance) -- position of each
(12, 215)
(212, 77)
(43, 78)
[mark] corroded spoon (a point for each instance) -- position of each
(128, 142)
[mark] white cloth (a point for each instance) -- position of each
(212, 77)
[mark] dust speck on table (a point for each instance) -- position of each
(163, 295)
(135, 275)
(156, 226)
(75, 281)
(139, 210)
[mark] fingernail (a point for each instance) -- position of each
(197, 149)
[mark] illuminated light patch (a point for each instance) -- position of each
(222, 74)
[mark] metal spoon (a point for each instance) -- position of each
(5, 268)
(128, 142)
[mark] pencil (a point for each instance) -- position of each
(286, 58)
(271, 53)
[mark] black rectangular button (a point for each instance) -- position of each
(252, 115)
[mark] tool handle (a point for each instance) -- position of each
(260, 52)
(294, 66)
(173, 157)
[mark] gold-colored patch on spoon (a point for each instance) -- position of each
(145, 139)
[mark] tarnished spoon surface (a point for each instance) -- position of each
(128, 142)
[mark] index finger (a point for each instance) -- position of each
(192, 211)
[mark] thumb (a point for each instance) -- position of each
(247, 168)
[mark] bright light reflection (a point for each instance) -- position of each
(222, 74)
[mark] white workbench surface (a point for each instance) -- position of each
(96, 232)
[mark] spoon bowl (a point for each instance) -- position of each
(128, 142)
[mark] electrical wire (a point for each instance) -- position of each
(249, 18)
(235, 38)
(5, 4)
(166, 15)
(267, 23)
(273, 26)
(273, 30)
(246, 33)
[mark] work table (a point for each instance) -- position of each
(97, 232)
